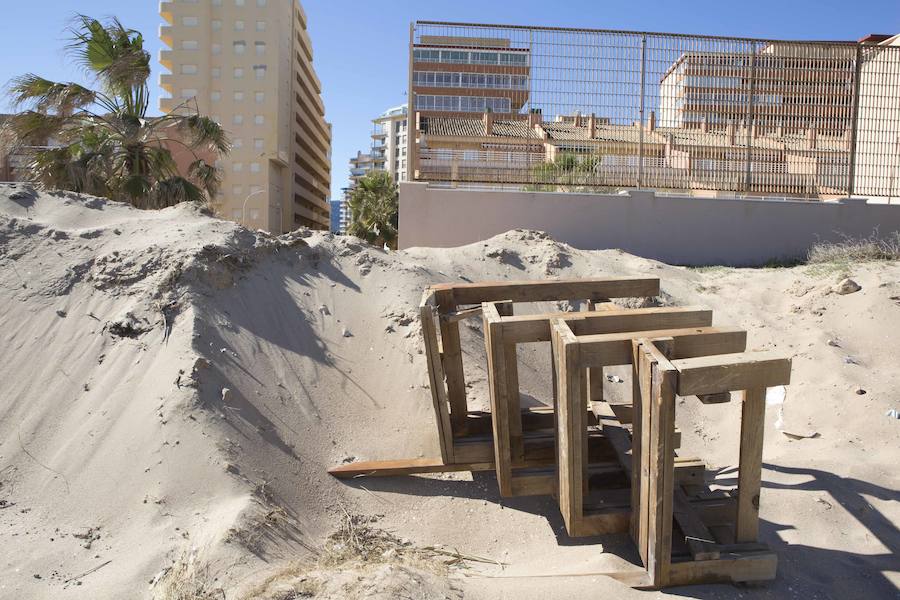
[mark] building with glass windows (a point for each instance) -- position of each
(249, 65)
(469, 75)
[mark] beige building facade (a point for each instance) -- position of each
(249, 65)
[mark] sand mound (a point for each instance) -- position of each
(174, 387)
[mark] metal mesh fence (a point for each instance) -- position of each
(565, 110)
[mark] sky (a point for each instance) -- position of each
(361, 47)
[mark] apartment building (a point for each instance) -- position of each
(249, 65)
(389, 142)
(786, 87)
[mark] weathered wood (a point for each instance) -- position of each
(461, 315)
(699, 540)
(549, 290)
(569, 414)
(714, 374)
(732, 568)
(720, 398)
(412, 466)
(641, 452)
(662, 467)
(452, 362)
(536, 328)
(498, 380)
(513, 399)
(753, 418)
(427, 315)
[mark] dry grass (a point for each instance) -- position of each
(187, 580)
(849, 250)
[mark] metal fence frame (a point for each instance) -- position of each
(844, 168)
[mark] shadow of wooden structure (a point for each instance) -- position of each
(613, 467)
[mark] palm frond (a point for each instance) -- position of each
(203, 132)
(175, 190)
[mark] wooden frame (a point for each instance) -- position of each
(667, 364)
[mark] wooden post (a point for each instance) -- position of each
(513, 400)
(570, 412)
(453, 365)
(662, 472)
(498, 380)
(753, 419)
(427, 317)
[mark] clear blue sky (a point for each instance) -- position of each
(361, 46)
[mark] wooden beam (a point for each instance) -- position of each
(549, 290)
(536, 328)
(427, 316)
(714, 374)
(753, 419)
(730, 568)
(616, 348)
(451, 356)
(697, 536)
(411, 466)
(570, 421)
(460, 315)
(498, 381)
(513, 398)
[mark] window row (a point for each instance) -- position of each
(216, 24)
(220, 2)
(259, 97)
(238, 167)
(259, 71)
(258, 143)
(239, 119)
(239, 47)
(461, 57)
(470, 80)
(463, 104)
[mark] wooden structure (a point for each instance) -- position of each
(613, 467)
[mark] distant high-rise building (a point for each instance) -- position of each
(249, 65)
(389, 142)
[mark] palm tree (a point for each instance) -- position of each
(568, 172)
(107, 146)
(374, 209)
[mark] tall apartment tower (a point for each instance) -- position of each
(389, 142)
(249, 65)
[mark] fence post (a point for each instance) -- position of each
(750, 117)
(640, 173)
(854, 121)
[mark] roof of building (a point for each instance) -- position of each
(470, 127)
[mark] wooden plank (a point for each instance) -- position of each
(714, 374)
(733, 568)
(534, 485)
(662, 467)
(536, 328)
(641, 451)
(608, 522)
(570, 414)
(753, 419)
(498, 380)
(411, 466)
(699, 539)
(427, 315)
(453, 364)
(616, 348)
(720, 398)
(549, 290)
(461, 315)
(513, 399)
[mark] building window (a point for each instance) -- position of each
(238, 119)
(239, 25)
(190, 45)
(260, 48)
(254, 167)
(216, 24)
(239, 2)
(240, 47)
(237, 167)
(260, 25)
(239, 96)
(189, 93)
(237, 143)
(260, 97)
(237, 191)
(259, 120)
(260, 2)
(190, 21)
(237, 214)
(258, 143)
(259, 71)
(217, 48)
(216, 72)
(215, 96)
(188, 69)
(254, 214)
(238, 73)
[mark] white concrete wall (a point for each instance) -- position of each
(674, 229)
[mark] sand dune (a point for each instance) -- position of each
(174, 387)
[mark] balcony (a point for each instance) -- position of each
(165, 34)
(167, 59)
(166, 11)
(167, 82)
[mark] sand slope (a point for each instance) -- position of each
(174, 385)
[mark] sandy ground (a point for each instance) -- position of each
(174, 388)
